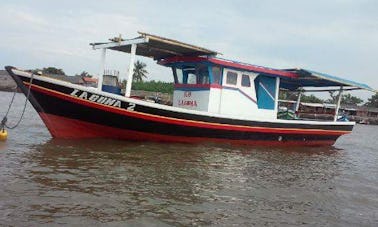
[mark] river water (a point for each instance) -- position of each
(45, 181)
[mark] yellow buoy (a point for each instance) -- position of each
(3, 135)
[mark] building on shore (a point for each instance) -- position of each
(326, 111)
(362, 114)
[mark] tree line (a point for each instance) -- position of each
(56, 71)
(346, 99)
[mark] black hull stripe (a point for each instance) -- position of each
(50, 104)
(193, 117)
(181, 122)
(55, 106)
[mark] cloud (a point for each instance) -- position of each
(13, 18)
(337, 37)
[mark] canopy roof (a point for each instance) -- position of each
(309, 78)
(291, 79)
(155, 47)
(168, 51)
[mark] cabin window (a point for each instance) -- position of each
(179, 76)
(192, 78)
(203, 75)
(204, 79)
(245, 81)
(232, 78)
(190, 74)
(216, 75)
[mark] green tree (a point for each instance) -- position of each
(311, 99)
(53, 70)
(349, 99)
(372, 101)
(334, 95)
(156, 86)
(140, 71)
(288, 95)
(48, 70)
(346, 99)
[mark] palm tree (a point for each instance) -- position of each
(84, 74)
(140, 71)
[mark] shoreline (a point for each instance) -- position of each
(6, 82)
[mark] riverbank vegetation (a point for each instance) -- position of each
(346, 99)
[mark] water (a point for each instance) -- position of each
(45, 181)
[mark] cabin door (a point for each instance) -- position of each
(238, 95)
(266, 91)
(247, 85)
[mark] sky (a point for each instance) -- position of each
(338, 37)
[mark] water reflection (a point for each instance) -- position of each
(97, 182)
(108, 180)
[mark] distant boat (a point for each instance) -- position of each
(214, 100)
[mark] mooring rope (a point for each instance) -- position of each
(5, 118)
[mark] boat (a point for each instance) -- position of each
(215, 100)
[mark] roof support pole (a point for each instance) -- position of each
(338, 103)
(102, 68)
(298, 101)
(276, 96)
(131, 70)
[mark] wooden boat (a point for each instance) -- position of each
(214, 100)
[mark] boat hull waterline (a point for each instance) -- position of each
(72, 111)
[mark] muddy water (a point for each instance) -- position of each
(45, 181)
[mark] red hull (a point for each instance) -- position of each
(75, 112)
(61, 127)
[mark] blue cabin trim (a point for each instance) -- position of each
(265, 92)
(210, 69)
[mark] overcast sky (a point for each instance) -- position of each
(339, 37)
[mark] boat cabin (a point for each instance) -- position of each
(204, 82)
(208, 84)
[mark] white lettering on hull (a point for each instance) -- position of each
(96, 98)
(84, 95)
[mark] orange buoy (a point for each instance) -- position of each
(3, 135)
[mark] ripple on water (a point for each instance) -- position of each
(92, 182)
